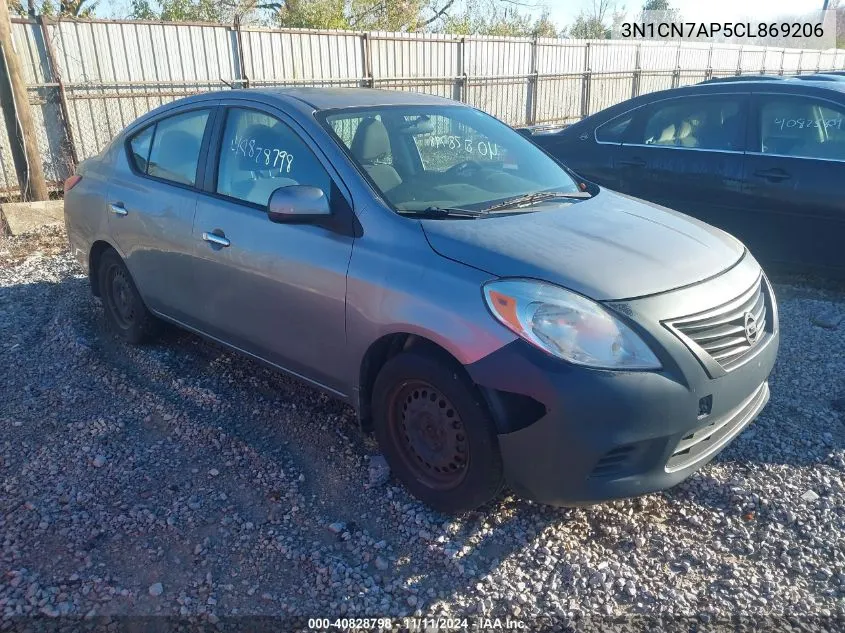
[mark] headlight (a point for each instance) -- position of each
(567, 325)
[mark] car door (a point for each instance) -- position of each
(151, 201)
(793, 181)
(687, 153)
(276, 291)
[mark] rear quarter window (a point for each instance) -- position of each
(614, 130)
(139, 148)
(170, 148)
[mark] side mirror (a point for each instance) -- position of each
(526, 132)
(298, 204)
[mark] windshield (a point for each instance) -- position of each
(444, 157)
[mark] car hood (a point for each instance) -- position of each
(611, 246)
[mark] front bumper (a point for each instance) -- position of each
(610, 434)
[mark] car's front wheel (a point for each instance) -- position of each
(436, 432)
(125, 311)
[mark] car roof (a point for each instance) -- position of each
(305, 99)
(322, 98)
(817, 88)
(330, 98)
(733, 78)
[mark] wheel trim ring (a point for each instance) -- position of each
(425, 455)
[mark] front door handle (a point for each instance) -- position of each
(117, 208)
(634, 162)
(214, 238)
(775, 174)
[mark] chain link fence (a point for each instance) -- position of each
(88, 79)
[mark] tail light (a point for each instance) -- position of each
(71, 182)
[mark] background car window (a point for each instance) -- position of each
(176, 147)
(703, 123)
(612, 131)
(140, 148)
(261, 154)
(798, 126)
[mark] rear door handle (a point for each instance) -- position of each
(775, 174)
(214, 238)
(117, 208)
(634, 162)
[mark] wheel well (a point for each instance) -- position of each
(99, 247)
(382, 351)
(509, 411)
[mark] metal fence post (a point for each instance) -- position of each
(367, 60)
(56, 74)
(462, 72)
(676, 74)
(638, 70)
(585, 83)
(782, 56)
(533, 87)
(240, 46)
(708, 72)
(739, 61)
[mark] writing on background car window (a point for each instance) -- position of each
(267, 156)
(802, 123)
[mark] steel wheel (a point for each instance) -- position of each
(430, 435)
(121, 299)
(126, 314)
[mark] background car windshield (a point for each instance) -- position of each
(446, 157)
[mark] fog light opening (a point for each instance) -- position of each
(705, 406)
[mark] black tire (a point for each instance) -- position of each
(436, 433)
(126, 313)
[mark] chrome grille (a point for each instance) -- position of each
(729, 332)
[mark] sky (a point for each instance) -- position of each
(565, 11)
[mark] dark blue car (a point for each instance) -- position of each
(763, 160)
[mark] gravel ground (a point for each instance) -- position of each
(182, 479)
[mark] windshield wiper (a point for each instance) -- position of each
(444, 212)
(530, 198)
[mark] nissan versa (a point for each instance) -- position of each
(490, 317)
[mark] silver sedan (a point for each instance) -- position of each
(490, 316)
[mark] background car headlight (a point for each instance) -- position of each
(567, 325)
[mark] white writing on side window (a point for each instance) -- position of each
(801, 124)
(267, 156)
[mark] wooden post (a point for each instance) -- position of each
(32, 183)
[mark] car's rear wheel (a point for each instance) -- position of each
(125, 311)
(436, 432)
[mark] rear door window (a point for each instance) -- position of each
(802, 127)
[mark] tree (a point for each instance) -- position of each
(66, 8)
(495, 17)
(222, 11)
(657, 11)
(592, 22)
